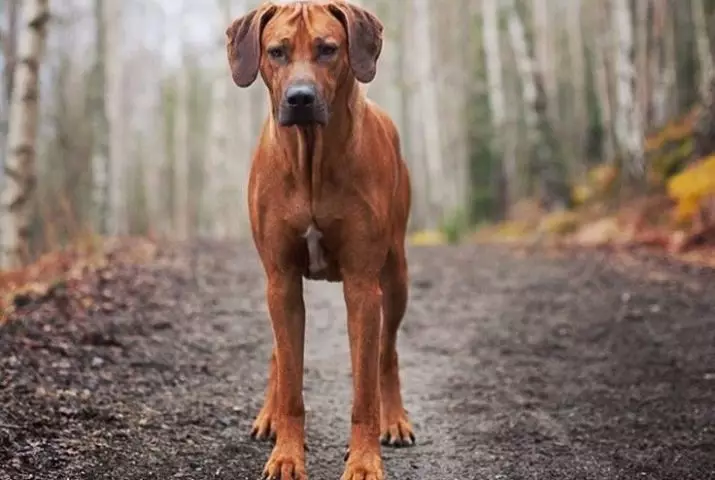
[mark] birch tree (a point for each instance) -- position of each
(497, 101)
(431, 131)
(544, 162)
(20, 180)
(628, 122)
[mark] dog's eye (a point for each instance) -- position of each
(326, 50)
(276, 53)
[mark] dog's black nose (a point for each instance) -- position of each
(301, 95)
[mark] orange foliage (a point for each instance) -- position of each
(674, 131)
(61, 267)
(692, 187)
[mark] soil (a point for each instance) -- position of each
(582, 365)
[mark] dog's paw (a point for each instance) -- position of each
(263, 426)
(363, 466)
(285, 463)
(396, 431)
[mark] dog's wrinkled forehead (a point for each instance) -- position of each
(301, 23)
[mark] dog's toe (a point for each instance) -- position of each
(262, 429)
(398, 434)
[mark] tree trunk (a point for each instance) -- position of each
(9, 51)
(20, 179)
(181, 157)
(578, 81)
(100, 124)
(544, 166)
(661, 71)
(705, 58)
(216, 197)
(431, 130)
(544, 52)
(497, 101)
(628, 124)
(601, 33)
(114, 78)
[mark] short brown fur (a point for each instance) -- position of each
(348, 179)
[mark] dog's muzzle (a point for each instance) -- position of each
(302, 105)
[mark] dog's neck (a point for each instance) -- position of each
(309, 149)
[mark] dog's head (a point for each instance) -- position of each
(304, 51)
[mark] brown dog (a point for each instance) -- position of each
(329, 198)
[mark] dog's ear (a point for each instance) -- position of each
(243, 44)
(364, 32)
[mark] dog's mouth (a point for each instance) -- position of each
(291, 115)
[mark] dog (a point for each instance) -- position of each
(329, 199)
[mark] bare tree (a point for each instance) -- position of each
(20, 179)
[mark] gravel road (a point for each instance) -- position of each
(574, 366)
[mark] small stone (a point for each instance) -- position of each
(62, 365)
(97, 362)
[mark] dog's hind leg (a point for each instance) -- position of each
(395, 428)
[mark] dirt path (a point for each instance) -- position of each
(583, 367)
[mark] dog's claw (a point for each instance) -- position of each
(347, 454)
(398, 439)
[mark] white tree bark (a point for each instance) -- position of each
(543, 159)
(497, 101)
(628, 119)
(20, 173)
(427, 95)
(525, 67)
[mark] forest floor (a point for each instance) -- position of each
(570, 365)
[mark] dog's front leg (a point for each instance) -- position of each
(287, 311)
(363, 300)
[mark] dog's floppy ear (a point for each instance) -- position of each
(364, 32)
(243, 44)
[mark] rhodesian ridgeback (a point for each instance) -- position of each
(329, 199)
